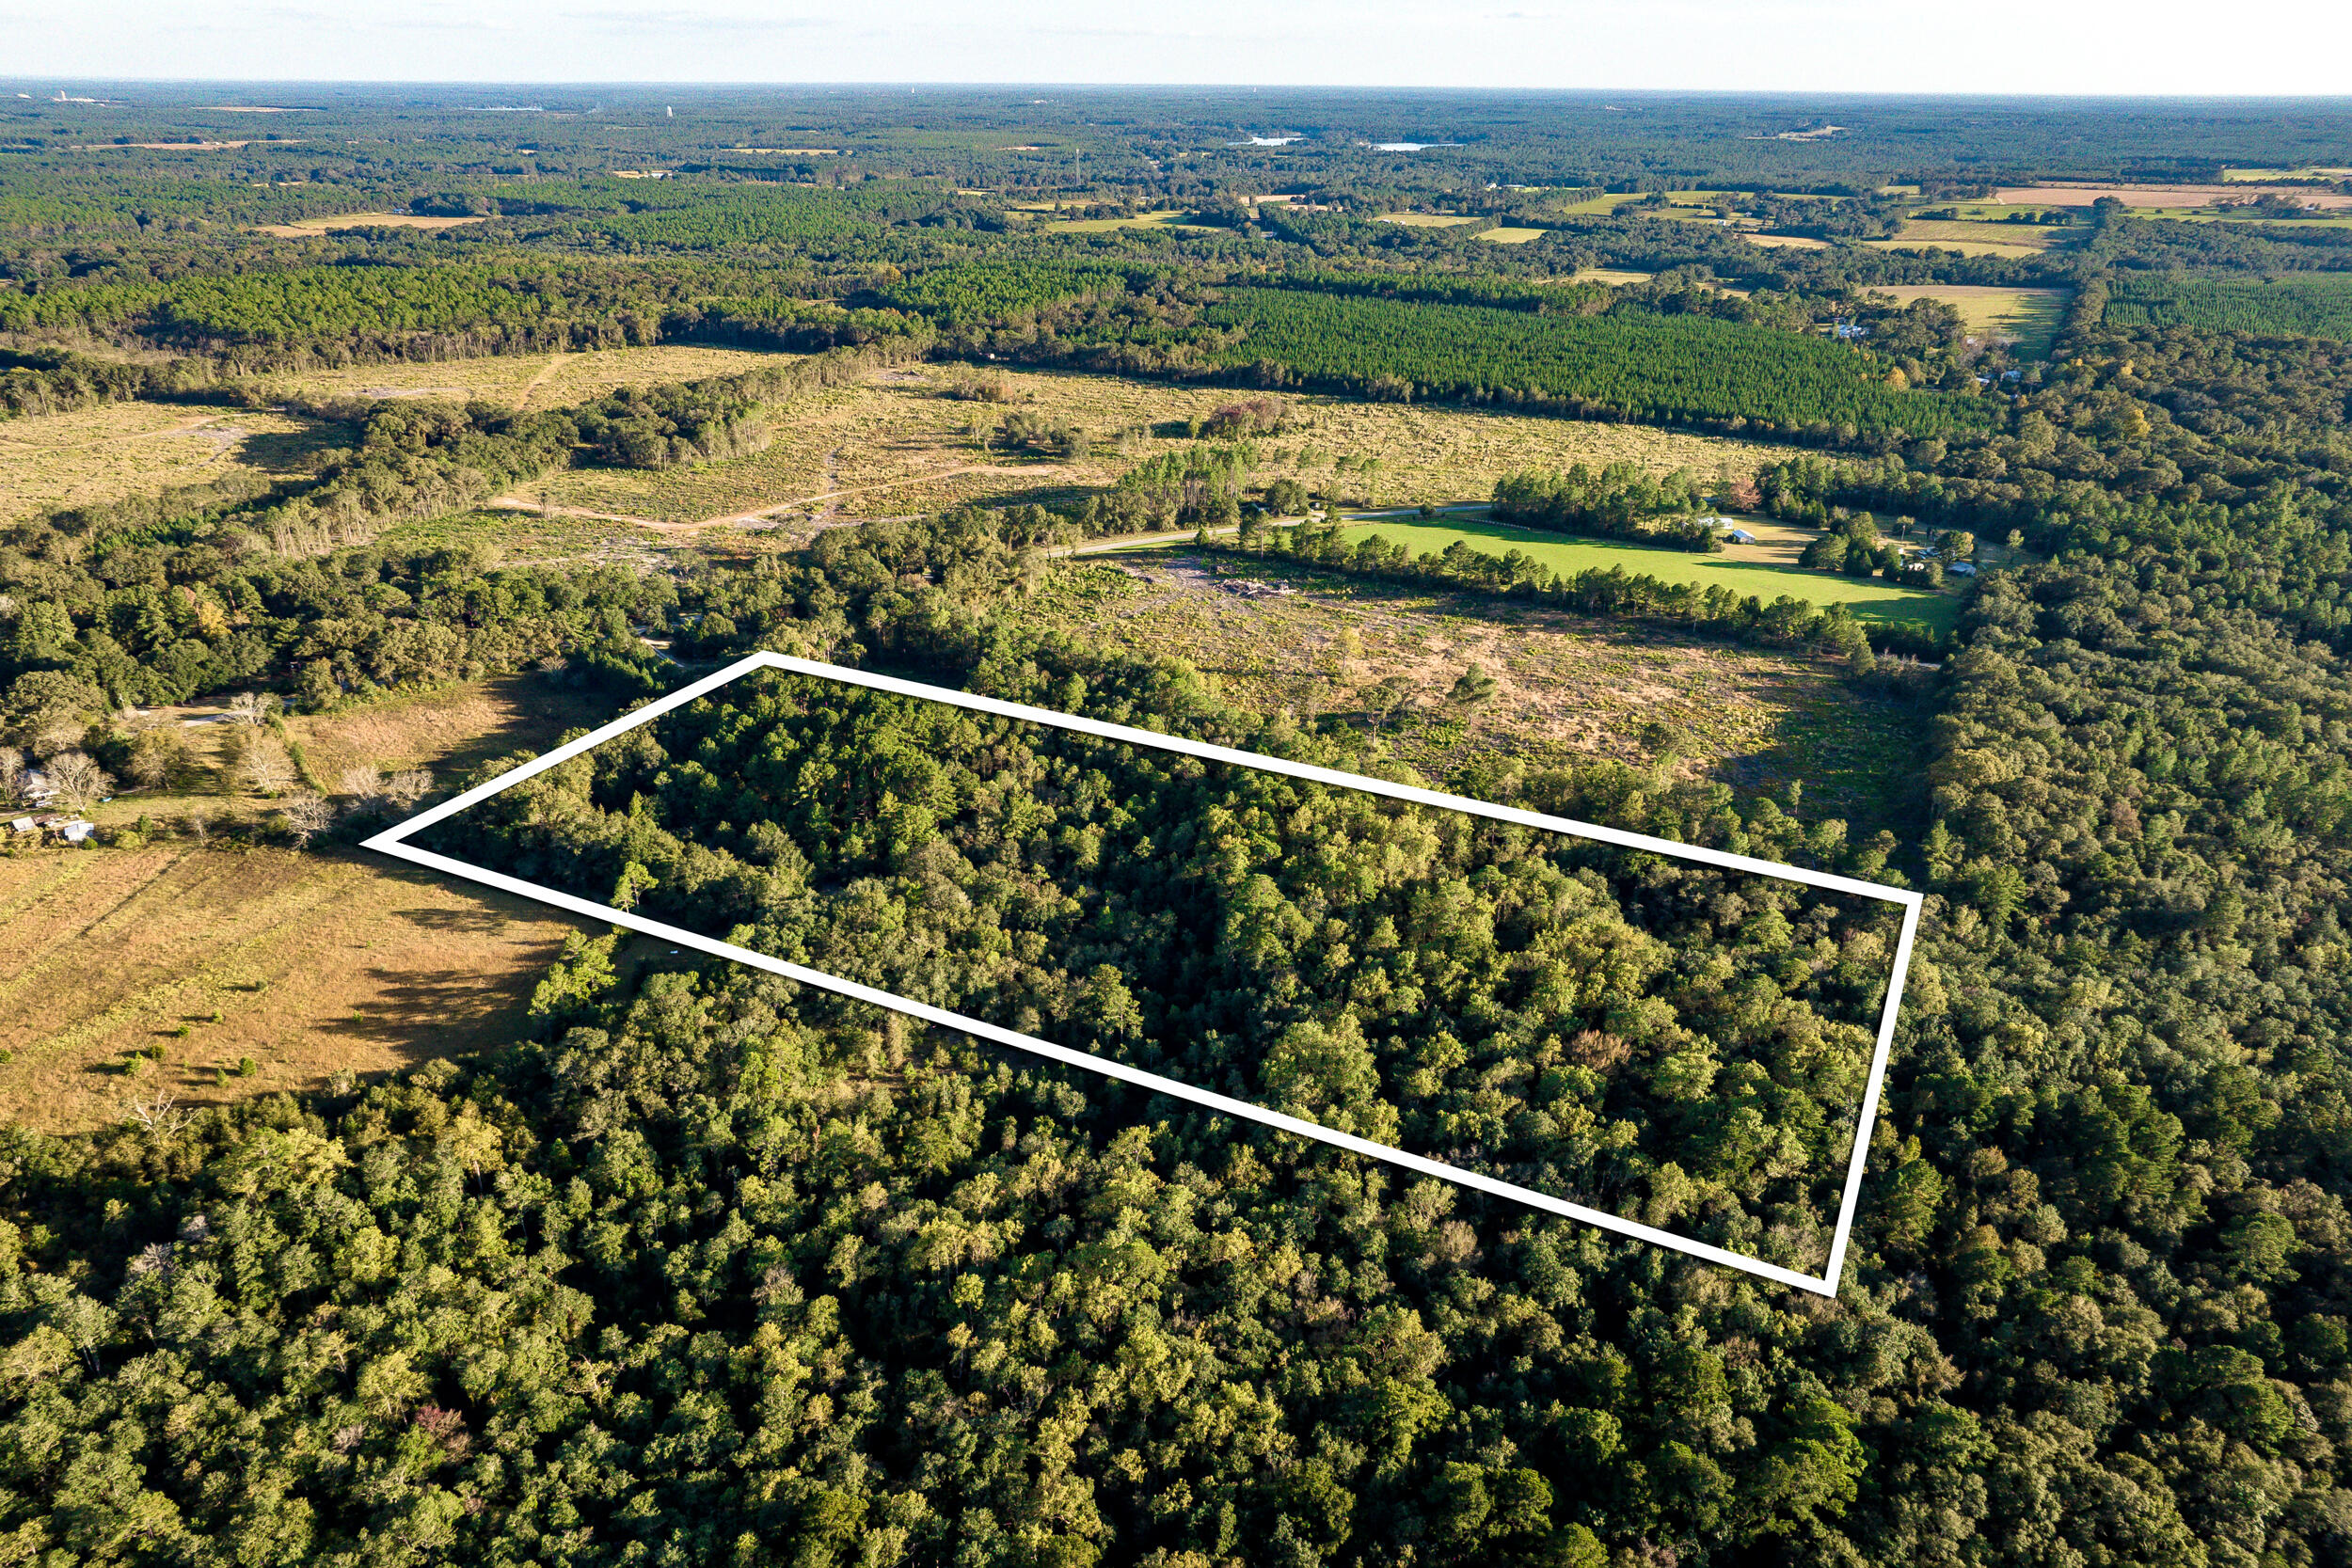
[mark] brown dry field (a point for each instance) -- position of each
(2002, 239)
(2164, 195)
(317, 961)
(1786, 241)
(311, 229)
(525, 380)
(117, 450)
(895, 446)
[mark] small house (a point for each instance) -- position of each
(25, 825)
(1740, 536)
(78, 830)
(1961, 569)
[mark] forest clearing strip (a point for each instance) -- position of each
(393, 842)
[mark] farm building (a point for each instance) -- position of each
(1740, 536)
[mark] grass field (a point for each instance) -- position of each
(1426, 220)
(895, 446)
(527, 380)
(1786, 241)
(523, 537)
(1959, 233)
(1508, 235)
(2029, 318)
(2164, 198)
(1570, 689)
(1766, 570)
(314, 961)
(1141, 220)
(306, 963)
(115, 449)
(305, 229)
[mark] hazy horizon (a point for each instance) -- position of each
(2002, 48)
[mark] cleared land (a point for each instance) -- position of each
(310, 228)
(1426, 220)
(1786, 241)
(2165, 196)
(1508, 235)
(1569, 690)
(2029, 318)
(95, 455)
(897, 445)
(527, 380)
(314, 962)
(1953, 234)
(305, 963)
(1141, 220)
(1766, 569)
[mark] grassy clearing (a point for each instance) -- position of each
(895, 446)
(313, 962)
(306, 963)
(1766, 570)
(1570, 689)
(1508, 235)
(2164, 198)
(105, 454)
(1613, 276)
(1426, 220)
(520, 538)
(1786, 241)
(308, 229)
(1141, 220)
(2029, 318)
(449, 730)
(1949, 233)
(527, 380)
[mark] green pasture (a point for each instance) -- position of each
(1873, 599)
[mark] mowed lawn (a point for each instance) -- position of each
(1873, 599)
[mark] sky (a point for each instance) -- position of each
(2257, 47)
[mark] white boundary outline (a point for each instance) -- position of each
(392, 841)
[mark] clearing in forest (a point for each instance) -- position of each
(306, 964)
(2027, 318)
(113, 451)
(1766, 570)
(311, 229)
(314, 962)
(524, 380)
(1570, 689)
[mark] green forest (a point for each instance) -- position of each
(688, 1264)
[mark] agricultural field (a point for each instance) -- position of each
(1569, 689)
(1973, 238)
(897, 445)
(2167, 198)
(105, 454)
(1426, 220)
(1767, 569)
(212, 951)
(1509, 235)
(2029, 318)
(525, 380)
